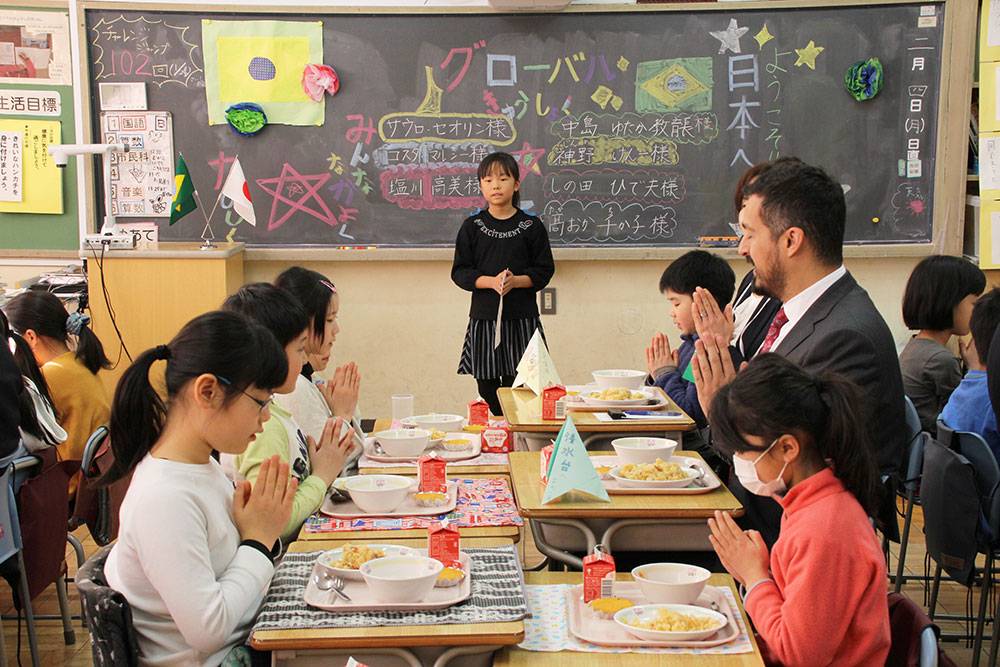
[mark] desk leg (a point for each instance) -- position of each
(290, 657)
(558, 554)
(456, 651)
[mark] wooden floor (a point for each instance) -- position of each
(952, 600)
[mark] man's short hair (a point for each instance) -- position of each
(699, 268)
(984, 321)
(798, 195)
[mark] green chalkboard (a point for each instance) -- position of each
(632, 126)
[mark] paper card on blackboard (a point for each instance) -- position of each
(41, 48)
(989, 163)
(992, 23)
(123, 96)
(40, 180)
(10, 165)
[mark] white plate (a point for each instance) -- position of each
(348, 510)
(653, 484)
(625, 617)
(333, 555)
(649, 397)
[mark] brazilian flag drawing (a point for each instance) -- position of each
(183, 202)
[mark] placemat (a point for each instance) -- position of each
(547, 628)
(497, 597)
(485, 459)
(481, 502)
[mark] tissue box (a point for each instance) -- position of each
(442, 543)
(546, 457)
(431, 474)
(479, 413)
(551, 407)
(495, 438)
(596, 567)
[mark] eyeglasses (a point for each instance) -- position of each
(260, 403)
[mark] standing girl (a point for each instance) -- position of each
(78, 395)
(313, 402)
(500, 252)
(819, 597)
(193, 558)
(938, 301)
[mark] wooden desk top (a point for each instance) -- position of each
(516, 657)
(523, 411)
(528, 490)
(456, 469)
(512, 533)
(300, 546)
(469, 634)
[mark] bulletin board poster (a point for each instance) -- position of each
(34, 47)
(41, 181)
(989, 235)
(142, 179)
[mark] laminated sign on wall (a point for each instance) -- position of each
(30, 181)
(142, 180)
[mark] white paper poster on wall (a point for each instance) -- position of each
(11, 171)
(34, 47)
(142, 180)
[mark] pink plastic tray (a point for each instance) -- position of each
(348, 510)
(445, 455)
(612, 485)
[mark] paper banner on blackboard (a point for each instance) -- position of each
(261, 62)
(989, 165)
(34, 47)
(11, 165)
(142, 180)
(40, 180)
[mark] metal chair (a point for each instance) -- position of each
(10, 547)
(107, 615)
(913, 459)
(908, 616)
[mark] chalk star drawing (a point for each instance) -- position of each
(807, 55)
(763, 37)
(528, 159)
(730, 37)
(310, 185)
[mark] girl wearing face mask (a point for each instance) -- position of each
(819, 596)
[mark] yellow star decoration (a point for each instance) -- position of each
(807, 56)
(763, 37)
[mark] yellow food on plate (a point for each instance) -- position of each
(661, 471)
(430, 498)
(617, 394)
(473, 428)
(608, 607)
(456, 444)
(353, 556)
(436, 434)
(668, 620)
(450, 576)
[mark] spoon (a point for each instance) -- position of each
(325, 581)
(700, 479)
(377, 448)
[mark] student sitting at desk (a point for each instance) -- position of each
(314, 463)
(819, 596)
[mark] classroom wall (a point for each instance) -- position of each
(404, 322)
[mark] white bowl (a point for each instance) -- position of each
(610, 378)
(403, 441)
(643, 450)
(401, 578)
(378, 494)
(671, 583)
(616, 472)
(467, 440)
(327, 558)
(650, 611)
(440, 422)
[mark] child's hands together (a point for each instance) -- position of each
(261, 510)
(742, 552)
(327, 456)
(659, 354)
(341, 392)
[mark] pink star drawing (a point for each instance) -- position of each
(311, 184)
(528, 159)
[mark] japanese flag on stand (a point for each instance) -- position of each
(236, 189)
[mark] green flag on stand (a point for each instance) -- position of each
(183, 202)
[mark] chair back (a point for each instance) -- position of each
(974, 448)
(107, 614)
(10, 530)
(913, 457)
(944, 433)
(914, 635)
(98, 507)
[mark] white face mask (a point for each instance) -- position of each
(746, 472)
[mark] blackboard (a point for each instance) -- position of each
(632, 127)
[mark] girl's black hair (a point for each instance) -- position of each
(272, 307)
(224, 344)
(938, 283)
(313, 291)
(26, 363)
(773, 397)
(44, 313)
(505, 163)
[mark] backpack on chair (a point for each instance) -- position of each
(98, 507)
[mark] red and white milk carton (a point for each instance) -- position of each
(479, 413)
(551, 407)
(442, 543)
(431, 474)
(496, 438)
(546, 457)
(598, 575)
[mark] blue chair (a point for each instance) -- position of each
(10, 547)
(913, 459)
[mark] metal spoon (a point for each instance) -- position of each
(377, 448)
(338, 587)
(700, 479)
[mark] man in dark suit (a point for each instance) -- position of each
(793, 232)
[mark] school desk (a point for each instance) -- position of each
(523, 411)
(456, 469)
(315, 646)
(516, 657)
(677, 514)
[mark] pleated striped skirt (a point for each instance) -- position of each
(481, 360)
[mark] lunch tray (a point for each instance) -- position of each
(613, 486)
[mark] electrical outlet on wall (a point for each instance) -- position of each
(548, 301)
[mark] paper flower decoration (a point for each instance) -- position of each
(864, 79)
(317, 79)
(246, 118)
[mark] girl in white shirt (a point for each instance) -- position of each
(193, 558)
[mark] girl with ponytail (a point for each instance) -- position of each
(193, 558)
(819, 596)
(70, 356)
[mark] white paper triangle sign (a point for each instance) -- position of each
(535, 369)
(570, 467)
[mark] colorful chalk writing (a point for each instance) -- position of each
(152, 50)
